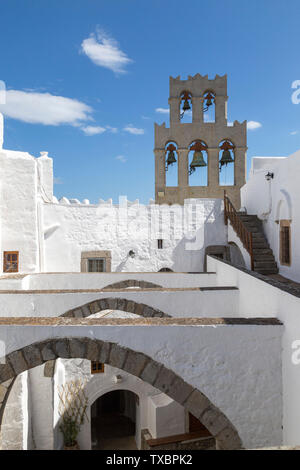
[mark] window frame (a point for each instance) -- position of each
(91, 255)
(96, 259)
(99, 367)
(283, 225)
(5, 253)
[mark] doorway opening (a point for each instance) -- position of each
(113, 421)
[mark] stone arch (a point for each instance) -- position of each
(87, 426)
(114, 303)
(186, 98)
(227, 171)
(108, 389)
(209, 110)
(166, 270)
(133, 362)
(132, 283)
(197, 140)
(171, 141)
(198, 175)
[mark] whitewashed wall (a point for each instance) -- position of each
(25, 184)
(260, 299)
(177, 303)
(274, 200)
(99, 384)
(73, 228)
(58, 281)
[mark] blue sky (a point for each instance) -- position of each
(49, 48)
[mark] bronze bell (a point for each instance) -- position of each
(171, 158)
(198, 161)
(186, 105)
(226, 158)
(208, 102)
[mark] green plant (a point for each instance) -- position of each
(70, 430)
(72, 409)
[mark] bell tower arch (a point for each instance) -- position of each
(198, 95)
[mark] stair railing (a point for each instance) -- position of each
(239, 227)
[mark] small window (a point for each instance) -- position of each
(11, 261)
(97, 367)
(96, 265)
(285, 242)
(159, 244)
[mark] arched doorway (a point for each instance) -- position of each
(113, 421)
(134, 362)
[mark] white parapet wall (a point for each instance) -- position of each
(193, 302)
(58, 281)
(262, 297)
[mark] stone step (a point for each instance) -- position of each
(253, 229)
(251, 222)
(266, 271)
(265, 264)
(257, 236)
(248, 217)
(262, 257)
(257, 244)
(262, 251)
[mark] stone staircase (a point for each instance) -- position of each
(263, 258)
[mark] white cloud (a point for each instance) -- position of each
(44, 108)
(93, 130)
(121, 158)
(133, 130)
(162, 110)
(105, 52)
(294, 132)
(113, 130)
(251, 125)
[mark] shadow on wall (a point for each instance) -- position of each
(235, 256)
(189, 253)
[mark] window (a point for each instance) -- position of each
(285, 242)
(159, 244)
(97, 367)
(96, 265)
(96, 261)
(11, 261)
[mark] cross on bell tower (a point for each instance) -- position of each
(206, 146)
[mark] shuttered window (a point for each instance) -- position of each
(96, 265)
(97, 367)
(10, 261)
(285, 242)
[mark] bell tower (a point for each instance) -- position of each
(207, 155)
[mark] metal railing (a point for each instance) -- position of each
(239, 227)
